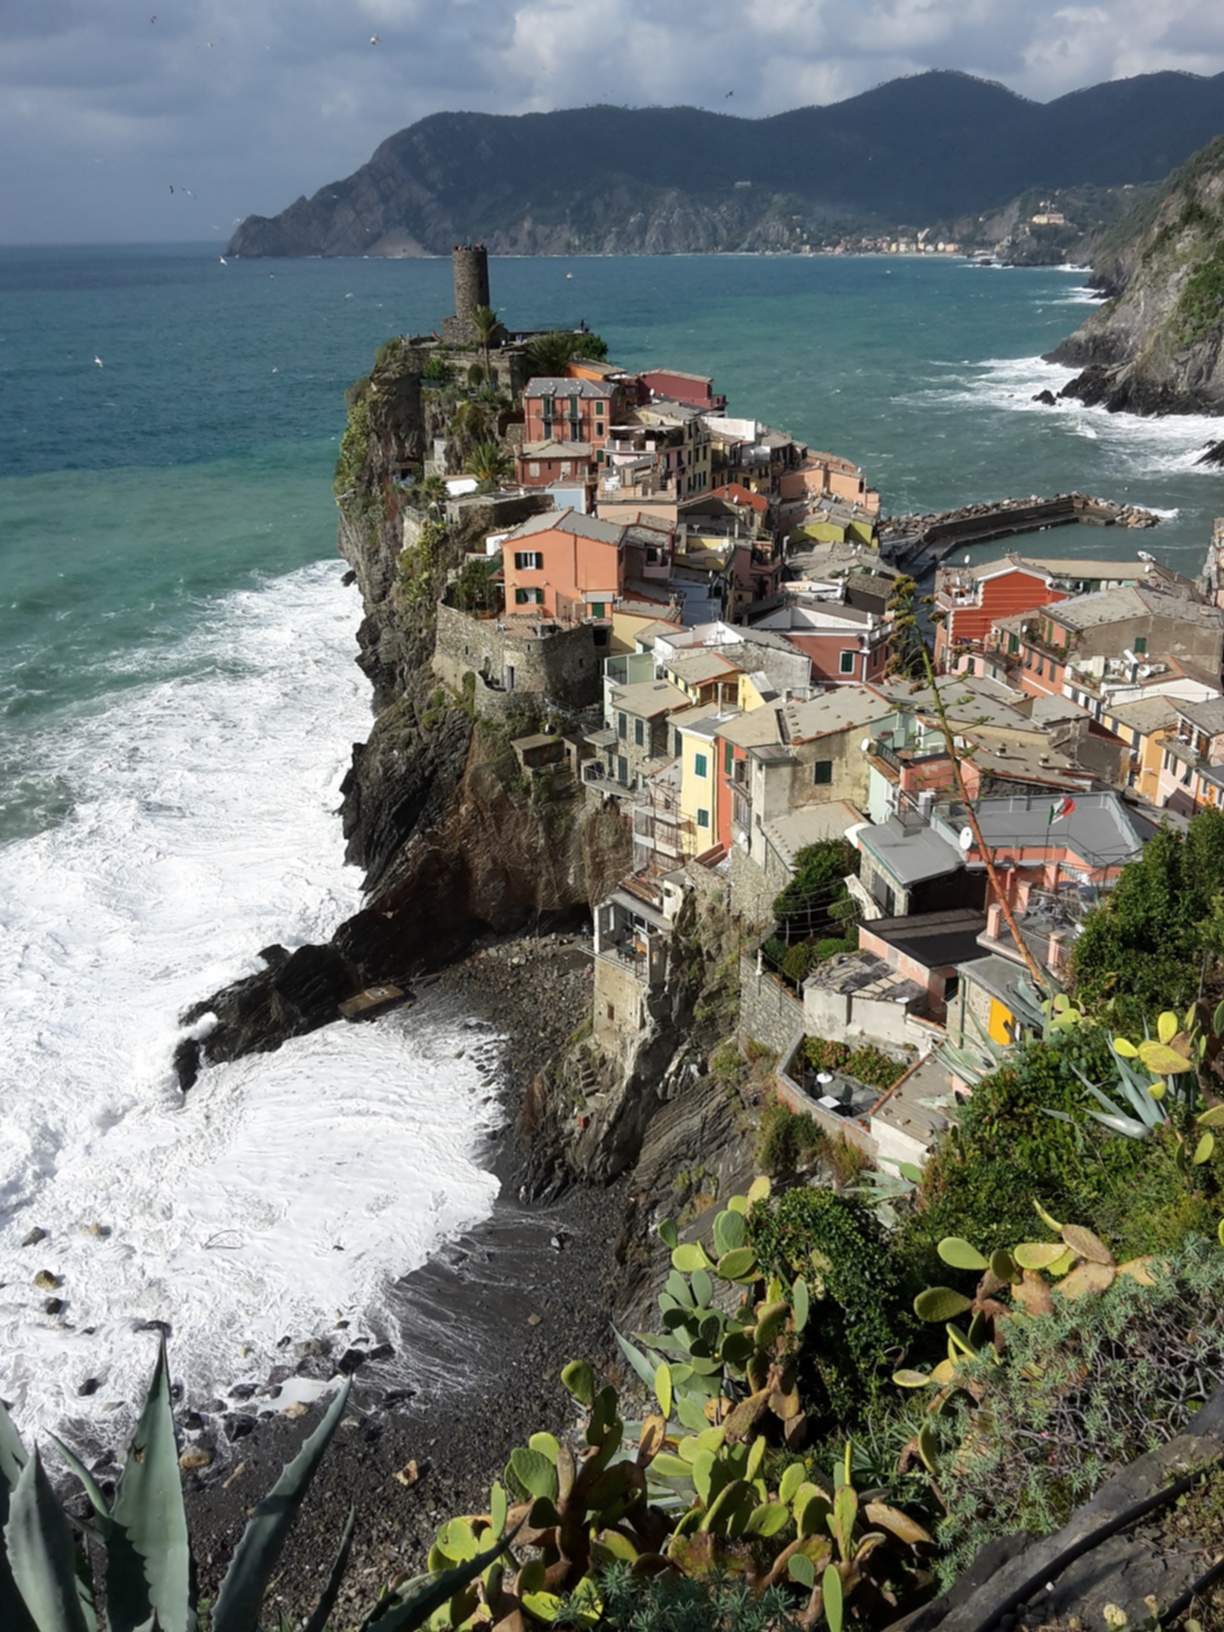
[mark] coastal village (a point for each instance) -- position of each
(724, 647)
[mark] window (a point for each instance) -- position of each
(728, 758)
(1140, 645)
(528, 560)
(598, 609)
(639, 733)
(565, 467)
(701, 765)
(1013, 643)
(1041, 665)
(622, 769)
(845, 663)
(822, 773)
(533, 469)
(529, 597)
(703, 818)
(622, 726)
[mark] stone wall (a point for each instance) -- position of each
(752, 894)
(770, 1013)
(560, 667)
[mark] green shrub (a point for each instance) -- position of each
(1144, 947)
(1081, 1392)
(1005, 1151)
(672, 1602)
(804, 907)
(825, 1054)
(829, 946)
(866, 1063)
(848, 1160)
(354, 444)
(798, 961)
(836, 1243)
(787, 1141)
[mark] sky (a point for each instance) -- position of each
(242, 105)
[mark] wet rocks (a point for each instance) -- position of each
(34, 1236)
(90, 1386)
(1213, 454)
(53, 1306)
(238, 1425)
(1047, 398)
(47, 1280)
(194, 1458)
(350, 1361)
(242, 1391)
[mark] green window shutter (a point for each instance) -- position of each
(703, 818)
(728, 759)
(702, 765)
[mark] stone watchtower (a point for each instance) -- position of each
(470, 269)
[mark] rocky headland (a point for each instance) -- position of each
(476, 885)
(1156, 346)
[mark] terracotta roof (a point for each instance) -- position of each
(736, 493)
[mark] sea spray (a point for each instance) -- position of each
(285, 1190)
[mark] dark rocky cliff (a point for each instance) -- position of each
(609, 180)
(452, 842)
(1155, 347)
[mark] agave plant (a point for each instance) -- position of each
(141, 1540)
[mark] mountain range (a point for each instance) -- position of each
(929, 148)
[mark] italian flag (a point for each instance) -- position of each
(1064, 807)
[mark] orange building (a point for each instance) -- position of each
(563, 565)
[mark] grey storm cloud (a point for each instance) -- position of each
(240, 105)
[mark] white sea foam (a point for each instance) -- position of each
(285, 1189)
(1140, 445)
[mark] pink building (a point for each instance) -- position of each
(563, 410)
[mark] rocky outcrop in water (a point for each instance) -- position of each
(1157, 344)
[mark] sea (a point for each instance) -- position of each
(179, 700)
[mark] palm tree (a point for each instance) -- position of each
(484, 321)
(431, 493)
(551, 352)
(470, 423)
(489, 463)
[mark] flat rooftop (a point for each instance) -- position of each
(937, 940)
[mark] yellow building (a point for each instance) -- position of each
(698, 784)
(748, 696)
(1143, 725)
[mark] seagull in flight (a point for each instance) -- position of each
(99, 362)
(223, 260)
(375, 39)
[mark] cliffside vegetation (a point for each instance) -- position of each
(664, 180)
(1155, 346)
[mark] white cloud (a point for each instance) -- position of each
(252, 104)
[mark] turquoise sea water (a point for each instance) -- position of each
(178, 702)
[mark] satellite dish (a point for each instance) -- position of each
(865, 745)
(824, 1076)
(966, 838)
(968, 558)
